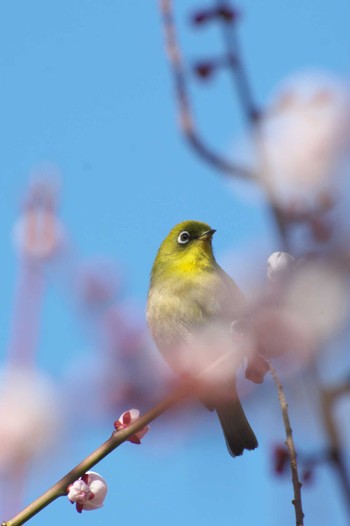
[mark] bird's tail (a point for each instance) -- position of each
(238, 433)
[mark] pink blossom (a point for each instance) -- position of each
(88, 492)
(127, 418)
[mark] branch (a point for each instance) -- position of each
(187, 124)
(118, 437)
(238, 70)
(299, 514)
(188, 386)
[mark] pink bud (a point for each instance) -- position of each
(88, 492)
(126, 419)
(278, 265)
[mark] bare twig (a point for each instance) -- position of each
(182, 98)
(238, 70)
(299, 514)
(188, 128)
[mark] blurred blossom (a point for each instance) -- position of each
(38, 233)
(317, 296)
(304, 139)
(30, 415)
(116, 375)
(308, 308)
(97, 283)
(127, 418)
(88, 492)
(277, 331)
(213, 357)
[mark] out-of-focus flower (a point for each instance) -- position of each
(212, 356)
(277, 331)
(317, 297)
(97, 283)
(30, 415)
(304, 138)
(88, 492)
(279, 264)
(303, 312)
(38, 233)
(127, 418)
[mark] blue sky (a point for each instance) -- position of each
(85, 86)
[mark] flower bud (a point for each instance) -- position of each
(127, 418)
(278, 265)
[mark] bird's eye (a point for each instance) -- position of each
(183, 237)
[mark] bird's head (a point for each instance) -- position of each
(186, 249)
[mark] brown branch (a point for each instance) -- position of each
(187, 124)
(238, 70)
(299, 514)
(188, 387)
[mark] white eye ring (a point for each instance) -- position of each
(183, 237)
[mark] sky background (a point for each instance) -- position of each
(85, 87)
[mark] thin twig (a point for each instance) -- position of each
(182, 98)
(299, 514)
(238, 70)
(187, 124)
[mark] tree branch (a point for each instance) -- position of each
(118, 437)
(187, 387)
(187, 124)
(299, 514)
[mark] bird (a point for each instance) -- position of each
(188, 292)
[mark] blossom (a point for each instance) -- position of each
(127, 418)
(304, 139)
(88, 492)
(29, 407)
(38, 233)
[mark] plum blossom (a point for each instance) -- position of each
(29, 407)
(299, 314)
(88, 492)
(304, 139)
(38, 233)
(127, 418)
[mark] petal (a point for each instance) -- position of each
(126, 418)
(140, 434)
(134, 439)
(135, 414)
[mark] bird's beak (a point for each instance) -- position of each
(208, 234)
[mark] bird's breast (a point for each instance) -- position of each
(176, 308)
